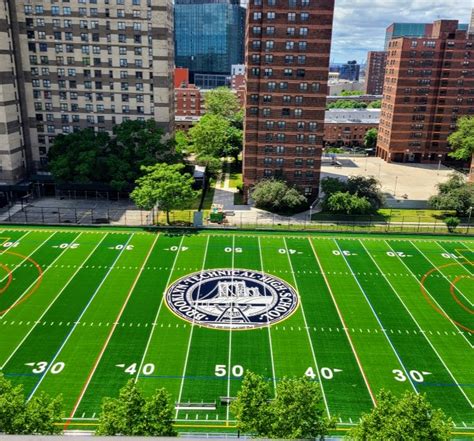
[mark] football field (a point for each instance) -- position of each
(84, 311)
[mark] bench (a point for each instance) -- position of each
(195, 406)
(227, 400)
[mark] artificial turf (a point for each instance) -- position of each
(82, 312)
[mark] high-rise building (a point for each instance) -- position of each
(429, 84)
(349, 71)
(375, 72)
(209, 38)
(396, 30)
(72, 65)
(287, 56)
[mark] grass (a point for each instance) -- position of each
(91, 316)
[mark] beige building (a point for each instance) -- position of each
(71, 65)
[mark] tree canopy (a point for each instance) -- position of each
(134, 415)
(90, 157)
(223, 102)
(375, 104)
(277, 196)
(352, 92)
(164, 185)
(462, 140)
(347, 203)
(347, 104)
(454, 194)
(370, 138)
(38, 416)
(410, 417)
(296, 412)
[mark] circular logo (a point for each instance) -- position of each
(231, 299)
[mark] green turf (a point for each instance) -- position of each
(83, 312)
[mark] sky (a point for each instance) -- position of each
(359, 25)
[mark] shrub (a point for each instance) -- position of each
(452, 222)
(276, 196)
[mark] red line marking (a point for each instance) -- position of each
(106, 343)
(31, 290)
(428, 297)
(455, 297)
(341, 317)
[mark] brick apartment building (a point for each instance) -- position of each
(72, 65)
(375, 72)
(347, 127)
(429, 84)
(287, 50)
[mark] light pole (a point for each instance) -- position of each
(439, 164)
(469, 219)
(311, 208)
(395, 188)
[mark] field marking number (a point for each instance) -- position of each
(41, 366)
(175, 248)
(123, 247)
(326, 373)
(72, 246)
(147, 369)
(396, 254)
(283, 251)
(343, 253)
(417, 376)
(221, 370)
(450, 256)
(230, 249)
(11, 244)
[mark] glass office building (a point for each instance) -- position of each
(209, 35)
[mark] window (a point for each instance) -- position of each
(304, 16)
(302, 46)
(257, 16)
(289, 45)
(270, 30)
(291, 16)
(270, 15)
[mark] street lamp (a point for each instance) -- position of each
(311, 208)
(395, 188)
(469, 219)
(439, 163)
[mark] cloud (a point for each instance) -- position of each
(359, 25)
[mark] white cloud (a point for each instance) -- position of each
(359, 25)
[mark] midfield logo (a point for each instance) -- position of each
(231, 299)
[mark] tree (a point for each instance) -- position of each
(40, 416)
(370, 138)
(375, 104)
(222, 102)
(352, 92)
(296, 412)
(133, 415)
(367, 187)
(410, 417)
(347, 203)
(164, 185)
(347, 104)
(210, 136)
(452, 222)
(454, 194)
(462, 140)
(275, 195)
(251, 406)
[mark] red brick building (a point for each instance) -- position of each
(347, 127)
(287, 50)
(375, 72)
(189, 101)
(429, 84)
(181, 77)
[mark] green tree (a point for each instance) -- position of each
(347, 104)
(370, 138)
(275, 195)
(251, 406)
(454, 194)
(462, 140)
(166, 186)
(159, 415)
(410, 417)
(375, 104)
(210, 136)
(347, 203)
(298, 410)
(222, 102)
(182, 142)
(452, 222)
(352, 92)
(40, 416)
(367, 187)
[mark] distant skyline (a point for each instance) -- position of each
(359, 25)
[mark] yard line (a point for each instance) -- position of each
(432, 298)
(268, 320)
(416, 322)
(346, 329)
(114, 326)
(229, 363)
(79, 319)
(49, 306)
(192, 331)
(376, 316)
(307, 330)
(158, 312)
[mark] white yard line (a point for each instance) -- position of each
(51, 304)
(405, 371)
(73, 328)
(268, 321)
(188, 350)
(307, 331)
(432, 298)
(229, 363)
(158, 312)
(416, 322)
(346, 329)
(112, 330)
